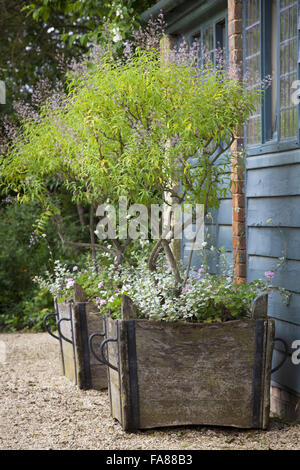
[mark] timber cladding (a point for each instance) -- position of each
(173, 374)
(77, 321)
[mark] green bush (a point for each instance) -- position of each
(23, 255)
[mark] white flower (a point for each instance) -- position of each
(116, 35)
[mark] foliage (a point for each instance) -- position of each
(38, 39)
(124, 116)
(205, 298)
(25, 253)
(92, 21)
(31, 313)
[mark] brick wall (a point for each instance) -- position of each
(235, 45)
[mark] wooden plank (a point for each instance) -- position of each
(65, 326)
(70, 367)
(95, 323)
(274, 181)
(275, 242)
(223, 215)
(287, 276)
(277, 309)
(176, 361)
(269, 345)
(225, 237)
(273, 159)
(283, 211)
(68, 352)
(113, 376)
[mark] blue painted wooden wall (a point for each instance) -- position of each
(273, 231)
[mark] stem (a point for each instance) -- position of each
(78, 244)
(171, 261)
(80, 211)
(92, 235)
(188, 268)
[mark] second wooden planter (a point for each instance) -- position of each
(171, 374)
(76, 322)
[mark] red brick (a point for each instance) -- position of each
(240, 280)
(237, 187)
(238, 228)
(235, 42)
(238, 200)
(236, 56)
(235, 27)
(238, 214)
(238, 242)
(239, 257)
(240, 270)
(235, 9)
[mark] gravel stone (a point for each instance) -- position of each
(40, 409)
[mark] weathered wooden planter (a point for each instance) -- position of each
(76, 322)
(171, 374)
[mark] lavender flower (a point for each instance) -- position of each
(269, 274)
(70, 283)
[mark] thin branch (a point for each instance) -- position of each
(171, 261)
(79, 244)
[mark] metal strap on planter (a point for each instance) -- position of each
(285, 352)
(59, 330)
(101, 357)
(47, 327)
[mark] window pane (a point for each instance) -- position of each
(288, 67)
(253, 68)
(208, 42)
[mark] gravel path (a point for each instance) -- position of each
(39, 409)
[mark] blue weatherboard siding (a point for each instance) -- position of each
(273, 231)
(272, 192)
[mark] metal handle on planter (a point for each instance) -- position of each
(101, 357)
(285, 352)
(47, 326)
(59, 330)
(92, 347)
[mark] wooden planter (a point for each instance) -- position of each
(76, 322)
(171, 374)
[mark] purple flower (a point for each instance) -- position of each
(85, 271)
(100, 285)
(186, 289)
(269, 274)
(75, 268)
(117, 294)
(70, 283)
(201, 270)
(111, 299)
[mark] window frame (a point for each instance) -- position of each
(267, 144)
(213, 21)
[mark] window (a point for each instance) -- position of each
(270, 48)
(211, 38)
